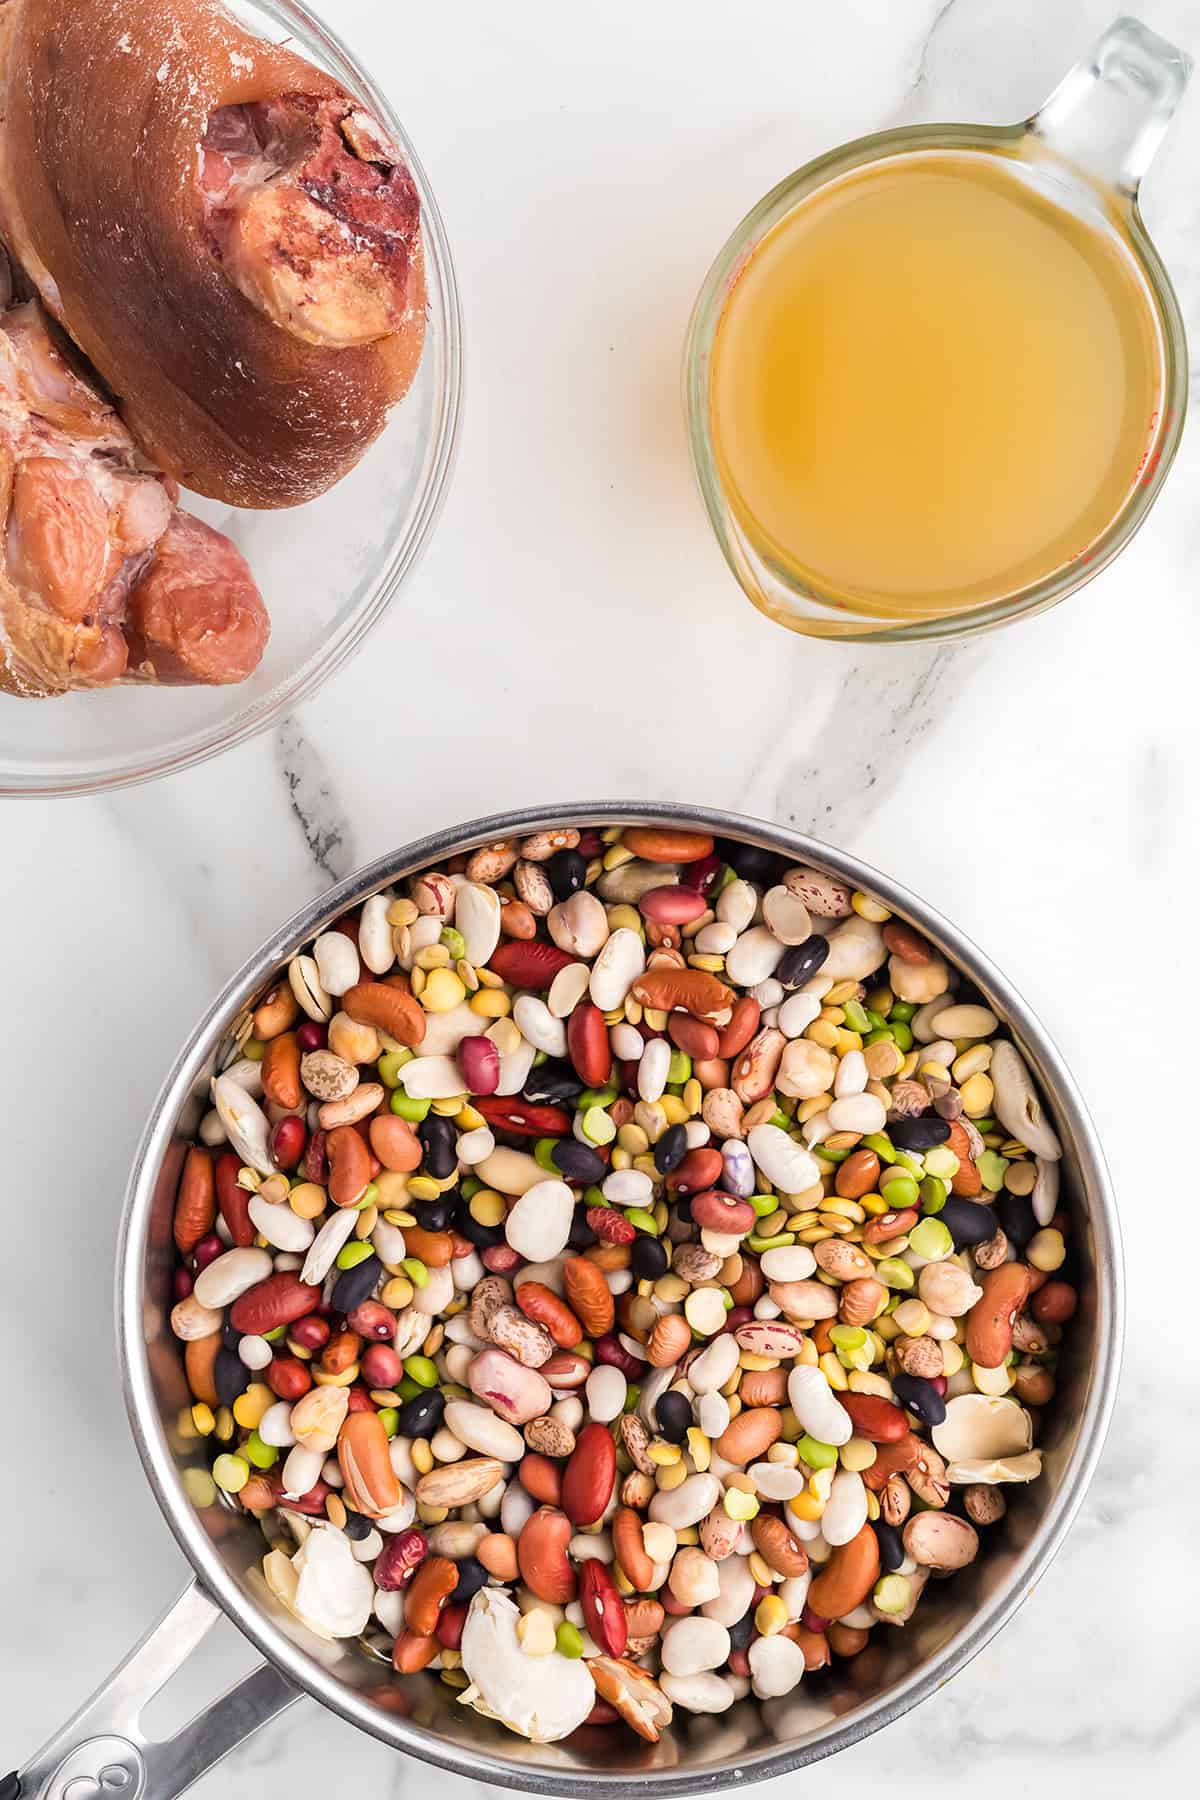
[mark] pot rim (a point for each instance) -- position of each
(483, 1764)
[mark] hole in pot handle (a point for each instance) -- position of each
(102, 1753)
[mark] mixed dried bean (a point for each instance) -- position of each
(619, 1271)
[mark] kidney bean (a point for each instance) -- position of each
(610, 1349)
(699, 1169)
(288, 1377)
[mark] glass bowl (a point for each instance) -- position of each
(328, 570)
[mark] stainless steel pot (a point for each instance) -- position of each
(419, 1715)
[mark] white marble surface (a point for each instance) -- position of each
(573, 633)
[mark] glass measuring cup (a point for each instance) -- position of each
(1084, 153)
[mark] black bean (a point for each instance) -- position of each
(801, 963)
(357, 1526)
(231, 1337)
(567, 872)
(750, 861)
(231, 1377)
(923, 1133)
(439, 1140)
(1014, 1214)
(551, 1083)
(673, 1414)
(670, 1149)
(355, 1285)
(647, 1257)
(581, 1235)
(891, 1545)
(741, 1633)
(435, 1215)
(967, 1222)
(421, 1416)
(578, 1162)
(484, 1237)
(920, 1397)
(471, 1577)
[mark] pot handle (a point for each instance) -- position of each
(102, 1754)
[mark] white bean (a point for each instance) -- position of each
(965, 1022)
(627, 1187)
(477, 916)
(228, 1276)
(852, 1075)
(736, 904)
(776, 1481)
(482, 1430)
(690, 1501)
(713, 1367)
(856, 950)
(301, 1471)
(615, 970)
(653, 1069)
(337, 961)
(538, 1025)
(514, 1068)
(388, 1242)
(863, 1113)
(437, 1293)
(694, 1645)
(776, 1666)
(794, 1262)
(705, 1692)
(756, 955)
(589, 1546)
(786, 1164)
(606, 1389)
(212, 1132)
(255, 1352)
(336, 1231)
(280, 1225)
(815, 1405)
(846, 1509)
(712, 1414)
(797, 1013)
(579, 924)
(275, 1425)
(467, 1270)
(474, 1146)
(715, 939)
(539, 1224)
(794, 1591)
(736, 1584)
(516, 1507)
(568, 988)
(458, 1359)
(786, 915)
(245, 1123)
(627, 1043)
(434, 1077)
(375, 944)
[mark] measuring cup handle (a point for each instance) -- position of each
(102, 1754)
(1109, 113)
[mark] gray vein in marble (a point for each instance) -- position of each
(921, 79)
(314, 801)
(882, 709)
